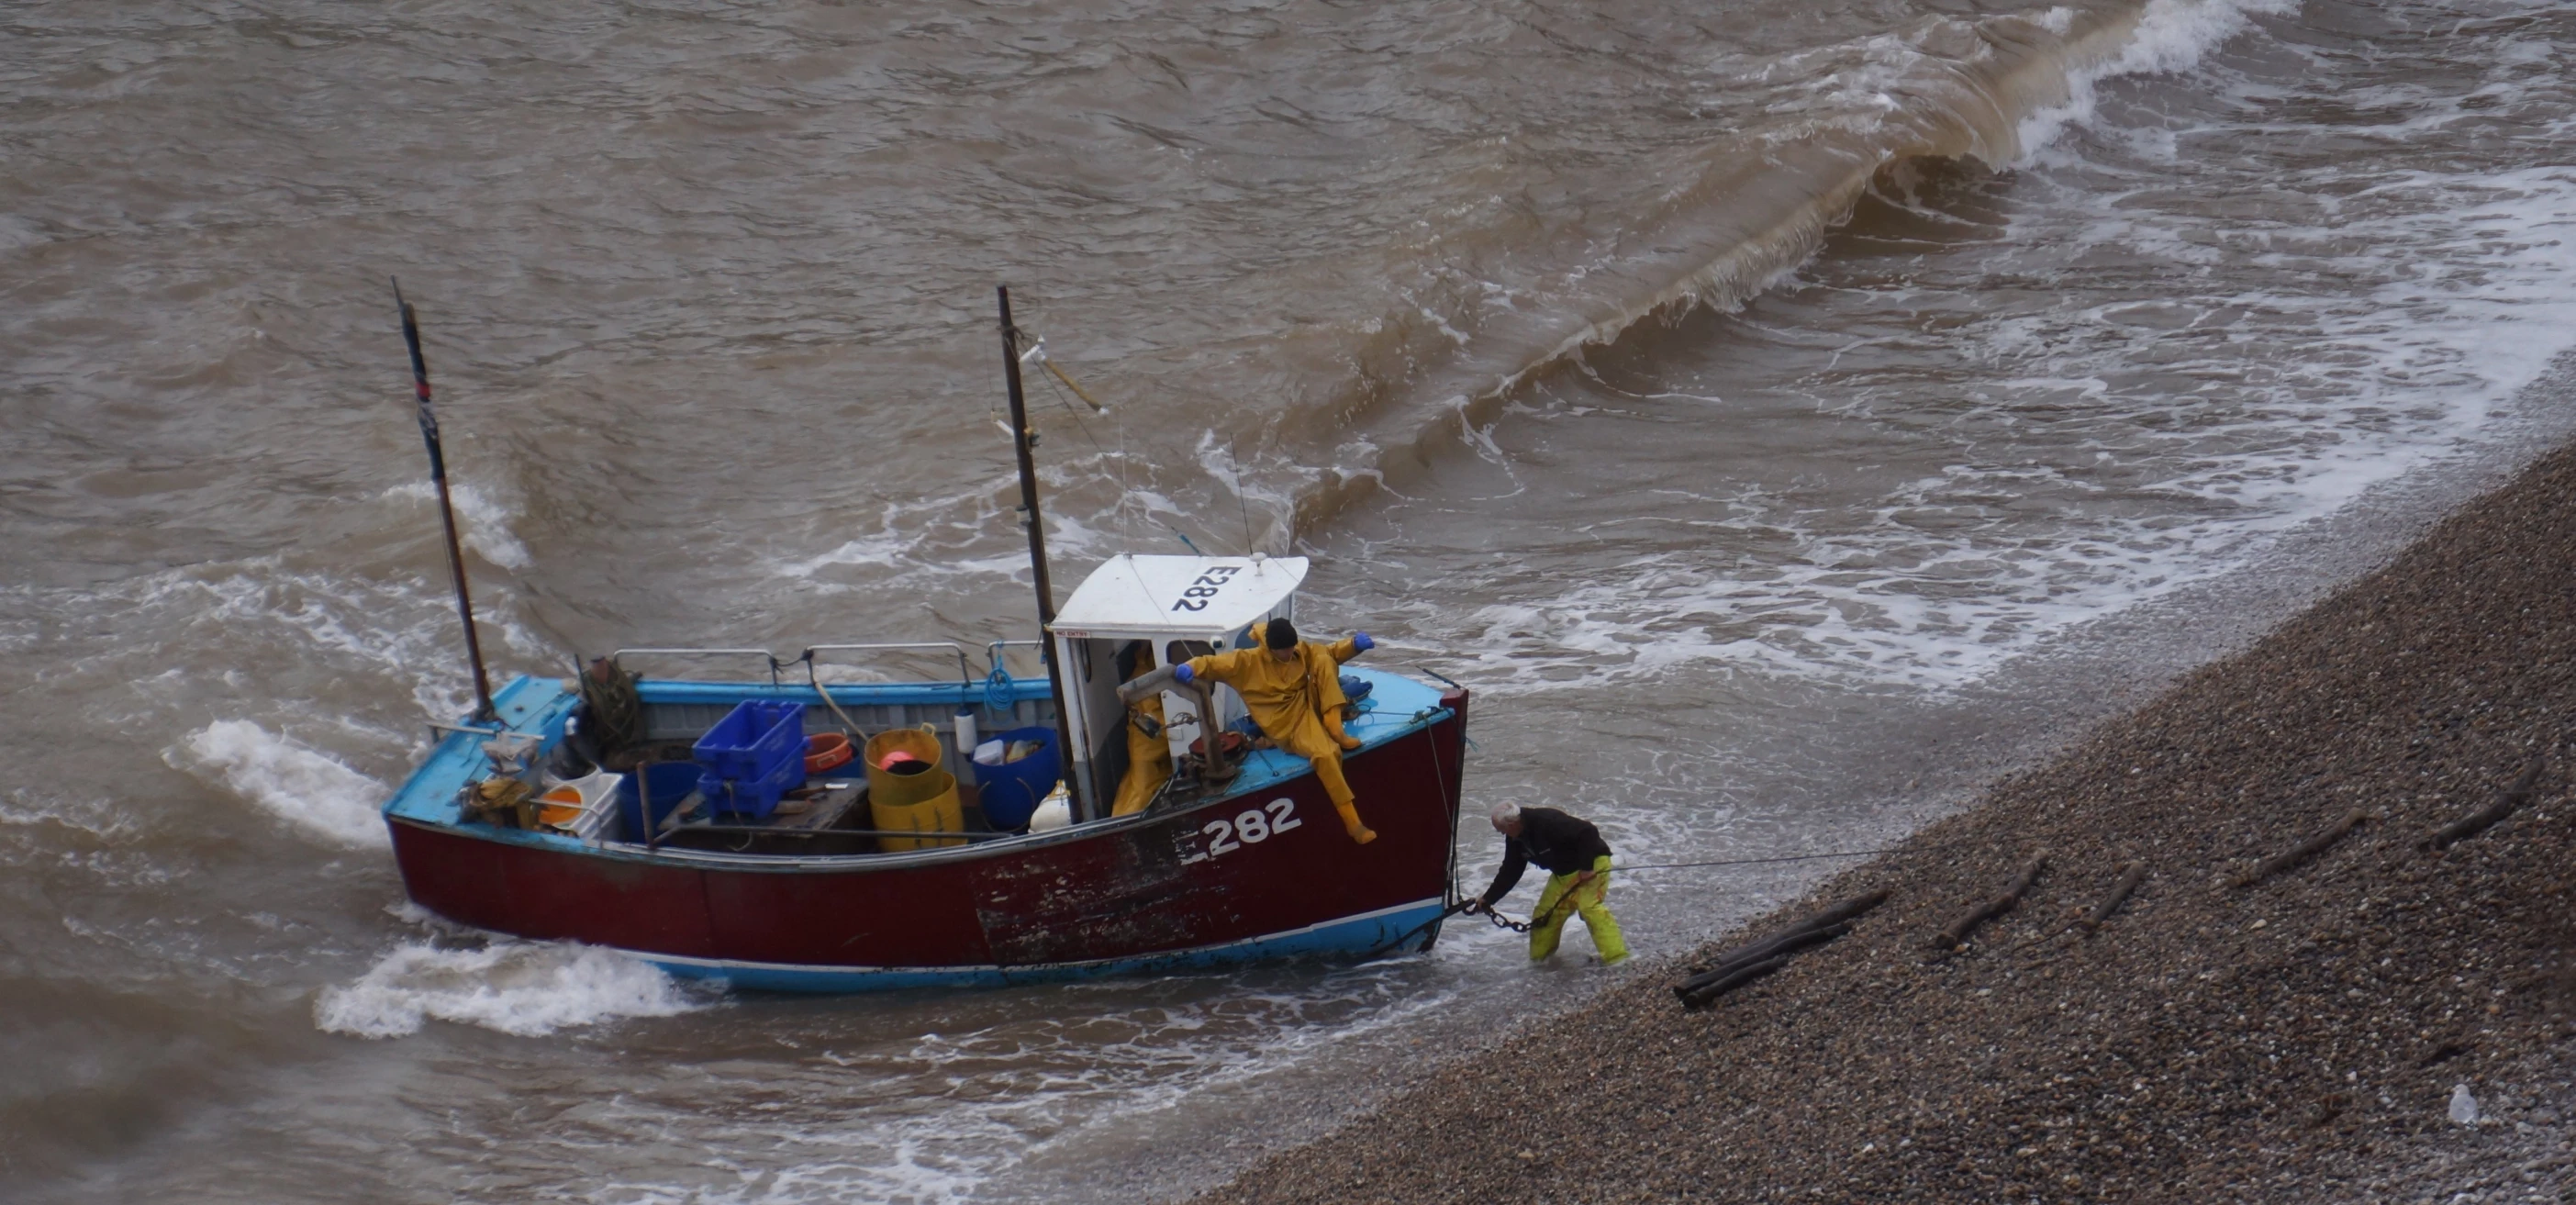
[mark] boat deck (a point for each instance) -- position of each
(815, 834)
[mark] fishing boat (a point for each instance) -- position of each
(685, 848)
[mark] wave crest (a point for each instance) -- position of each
(307, 789)
(525, 989)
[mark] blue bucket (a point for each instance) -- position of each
(671, 782)
(1011, 792)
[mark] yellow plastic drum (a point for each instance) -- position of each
(921, 743)
(921, 802)
(938, 814)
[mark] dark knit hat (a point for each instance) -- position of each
(1281, 634)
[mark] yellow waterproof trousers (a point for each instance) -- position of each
(1547, 921)
(1311, 743)
(1149, 764)
(1290, 699)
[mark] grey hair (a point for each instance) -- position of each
(1505, 813)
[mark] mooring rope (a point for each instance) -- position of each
(1847, 853)
(1501, 921)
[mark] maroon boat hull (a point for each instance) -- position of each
(1265, 871)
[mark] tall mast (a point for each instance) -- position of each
(1021, 438)
(446, 509)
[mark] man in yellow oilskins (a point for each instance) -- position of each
(1149, 753)
(1324, 677)
(1294, 691)
(1578, 866)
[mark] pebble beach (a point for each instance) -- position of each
(2387, 1018)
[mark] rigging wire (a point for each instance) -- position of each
(1848, 853)
(1078, 424)
(1126, 487)
(1457, 906)
(1234, 464)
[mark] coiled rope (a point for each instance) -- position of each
(997, 689)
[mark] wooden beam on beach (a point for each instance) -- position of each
(1956, 933)
(2120, 891)
(2304, 850)
(1833, 914)
(2089, 921)
(1735, 978)
(1786, 943)
(1827, 917)
(2487, 817)
(1746, 963)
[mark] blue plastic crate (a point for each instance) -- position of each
(752, 756)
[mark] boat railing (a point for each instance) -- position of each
(965, 673)
(765, 656)
(437, 729)
(777, 666)
(994, 652)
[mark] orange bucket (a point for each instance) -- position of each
(827, 751)
(559, 807)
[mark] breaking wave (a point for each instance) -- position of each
(526, 989)
(481, 523)
(1441, 366)
(308, 790)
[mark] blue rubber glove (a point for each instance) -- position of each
(1183, 674)
(1361, 641)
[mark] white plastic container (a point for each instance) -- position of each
(594, 794)
(1054, 812)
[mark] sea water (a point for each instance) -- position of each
(1780, 418)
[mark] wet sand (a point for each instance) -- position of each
(2298, 1039)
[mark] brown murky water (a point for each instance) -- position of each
(1777, 412)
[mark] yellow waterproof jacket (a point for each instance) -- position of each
(1288, 699)
(1342, 650)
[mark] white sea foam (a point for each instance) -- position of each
(319, 796)
(97, 816)
(2171, 35)
(992, 1095)
(308, 632)
(884, 548)
(2394, 328)
(528, 989)
(482, 523)
(1261, 511)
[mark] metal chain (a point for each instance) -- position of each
(1504, 922)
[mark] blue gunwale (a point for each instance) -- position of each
(1366, 932)
(429, 798)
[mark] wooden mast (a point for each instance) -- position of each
(1021, 440)
(483, 710)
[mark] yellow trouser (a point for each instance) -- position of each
(1149, 763)
(1311, 743)
(1149, 760)
(1547, 921)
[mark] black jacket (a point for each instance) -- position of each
(1561, 843)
